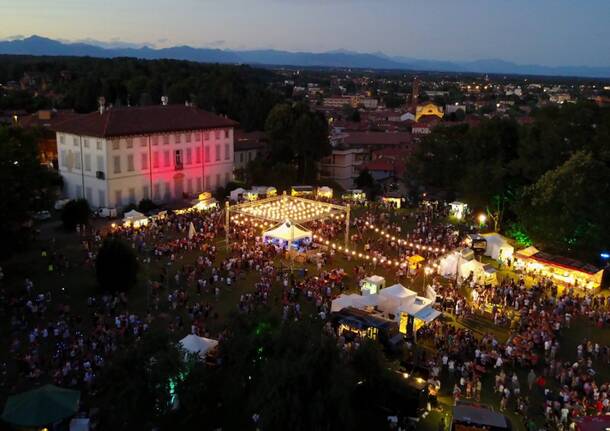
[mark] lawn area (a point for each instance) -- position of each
(78, 283)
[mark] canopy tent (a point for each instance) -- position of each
(205, 205)
(427, 314)
(194, 344)
(562, 269)
(498, 247)
(372, 285)
(264, 190)
(325, 192)
(414, 305)
(447, 266)
(458, 209)
(235, 194)
(288, 231)
(343, 301)
(415, 260)
(397, 293)
(482, 273)
(363, 301)
(527, 252)
(40, 407)
(135, 219)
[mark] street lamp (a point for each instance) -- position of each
(482, 219)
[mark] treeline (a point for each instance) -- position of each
(548, 181)
(271, 376)
(241, 92)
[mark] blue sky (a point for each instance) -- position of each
(549, 32)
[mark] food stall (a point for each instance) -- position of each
(354, 195)
(392, 200)
(135, 219)
(562, 270)
(371, 285)
(301, 191)
(325, 192)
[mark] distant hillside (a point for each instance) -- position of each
(37, 45)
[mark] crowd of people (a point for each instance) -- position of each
(189, 271)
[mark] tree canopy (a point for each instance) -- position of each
(520, 173)
(240, 92)
(27, 186)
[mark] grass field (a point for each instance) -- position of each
(78, 283)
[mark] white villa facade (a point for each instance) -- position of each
(120, 156)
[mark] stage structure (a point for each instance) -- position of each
(279, 209)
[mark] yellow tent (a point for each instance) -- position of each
(415, 260)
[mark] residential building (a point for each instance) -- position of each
(342, 166)
(120, 156)
(45, 121)
(248, 146)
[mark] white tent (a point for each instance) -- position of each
(498, 247)
(135, 218)
(414, 305)
(447, 266)
(343, 301)
(234, 194)
(427, 314)
(192, 231)
(394, 296)
(194, 344)
(363, 301)
(288, 231)
(482, 273)
(265, 190)
(325, 192)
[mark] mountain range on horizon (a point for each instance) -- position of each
(38, 45)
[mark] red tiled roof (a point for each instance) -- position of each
(143, 120)
(46, 119)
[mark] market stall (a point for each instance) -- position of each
(565, 271)
(498, 247)
(325, 192)
(481, 273)
(288, 234)
(135, 219)
(371, 285)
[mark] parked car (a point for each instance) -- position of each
(42, 215)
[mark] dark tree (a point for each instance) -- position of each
(136, 387)
(26, 186)
(116, 266)
(75, 212)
